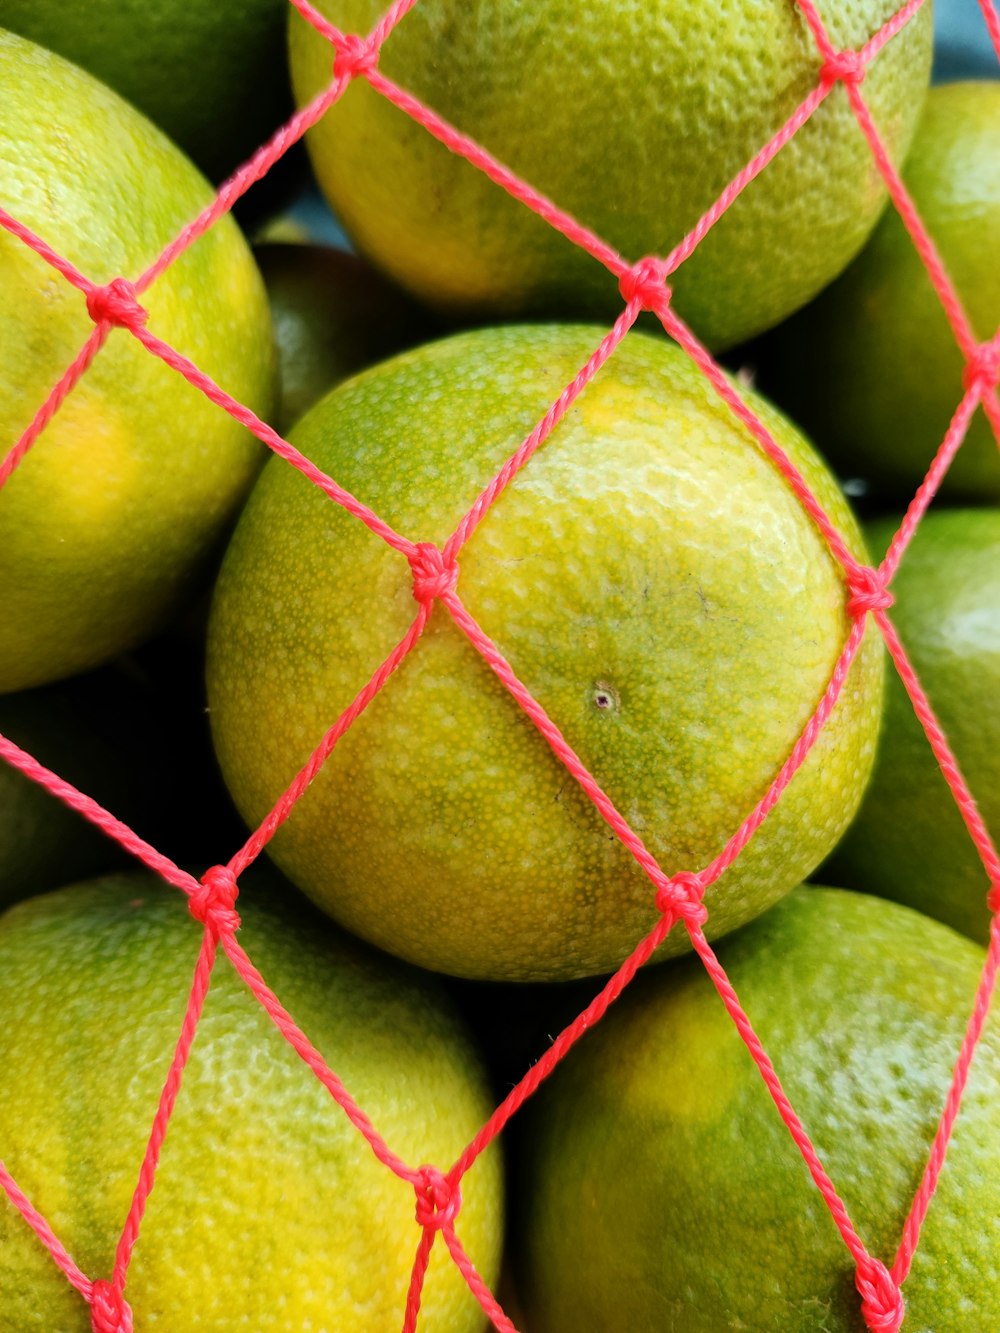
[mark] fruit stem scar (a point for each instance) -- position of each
(605, 697)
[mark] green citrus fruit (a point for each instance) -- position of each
(909, 841)
(651, 579)
(659, 1189)
(872, 369)
(43, 843)
(633, 118)
(269, 1210)
(333, 314)
(211, 75)
(111, 516)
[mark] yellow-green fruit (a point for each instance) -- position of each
(43, 843)
(333, 315)
(112, 515)
(211, 75)
(631, 117)
(659, 1189)
(909, 841)
(269, 1210)
(652, 580)
(872, 368)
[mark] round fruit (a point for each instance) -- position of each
(112, 514)
(653, 582)
(333, 314)
(909, 841)
(872, 369)
(633, 118)
(43, 843)
(211, 75)
(660, 1189)
(269, 1210)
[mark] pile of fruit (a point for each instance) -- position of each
(479, 630)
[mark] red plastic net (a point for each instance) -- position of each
(644, 286)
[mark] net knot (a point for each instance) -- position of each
(212, 902)
(680, 897)
(843, 67)
(993, 898)
(433, 574)
(646, 282)
(116, 304)
(868, 592)
(438, 1201)
(882, 1305)
(354, 55)
(982, 370)
(109, 1310)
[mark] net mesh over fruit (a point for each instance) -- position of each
(117, 311)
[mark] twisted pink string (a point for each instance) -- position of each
(939, 1147)
(942, 751)
(838, 1210)
(992, 18)
(59, 1254)
(678, 897)
(164, 1110)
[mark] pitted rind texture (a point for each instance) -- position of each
(630, 116)
(658, 1187)
(111, 517)
(648, 553)
(269, 1209)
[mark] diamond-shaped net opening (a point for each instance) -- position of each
(117, 311)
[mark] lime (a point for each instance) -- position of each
(111, 517)
(210, 74)
(652, 580)
(333, 315)
(43, 843)
(632, 118)
(658, 1187)
(269, 1210)
(909, 841)
(872, 369)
